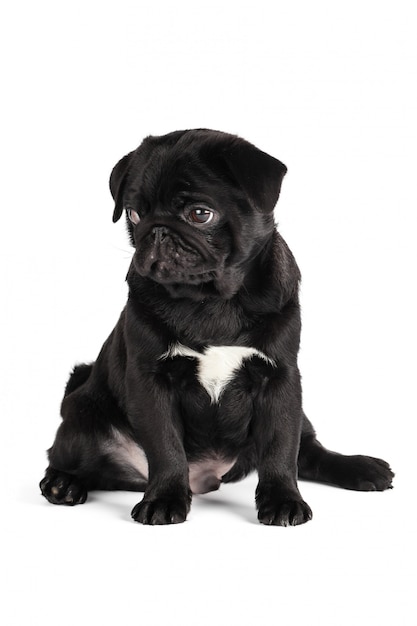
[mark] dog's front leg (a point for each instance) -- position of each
(154, 419)
(277, 429)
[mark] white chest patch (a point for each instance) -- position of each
(217, 365)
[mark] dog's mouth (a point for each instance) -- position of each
(163, 272)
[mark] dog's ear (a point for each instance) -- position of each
(258, 173)
(117, 183)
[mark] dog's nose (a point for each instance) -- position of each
(159, 233)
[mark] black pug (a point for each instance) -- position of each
(198, 383)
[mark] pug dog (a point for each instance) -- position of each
(198, 383)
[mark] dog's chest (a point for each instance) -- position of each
(216, 365)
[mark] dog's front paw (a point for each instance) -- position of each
(166, 509)
(289, 513)
(276, 508)
(61, 488)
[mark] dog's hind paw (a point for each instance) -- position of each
(366, 473)
(61, 488)
(357, 472)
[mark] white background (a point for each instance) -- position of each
(330, 89)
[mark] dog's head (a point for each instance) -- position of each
(199, 206)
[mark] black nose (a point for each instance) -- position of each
(159, 233)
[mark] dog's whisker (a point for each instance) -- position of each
(128, 253)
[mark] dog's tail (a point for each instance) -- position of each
(78, 376)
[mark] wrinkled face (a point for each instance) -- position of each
(195, 228)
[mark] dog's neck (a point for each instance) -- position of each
(266, 287)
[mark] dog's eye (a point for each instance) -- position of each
(133, 216)
(200, 215)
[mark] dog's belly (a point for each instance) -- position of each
(217, 365)
(204, 475)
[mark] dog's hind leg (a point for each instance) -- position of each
(358, 472)
(60, 487)
(89, 452)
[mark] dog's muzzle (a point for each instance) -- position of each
(164, 256)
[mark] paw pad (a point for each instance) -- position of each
(60, 488)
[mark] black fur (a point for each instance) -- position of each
(229, 282)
